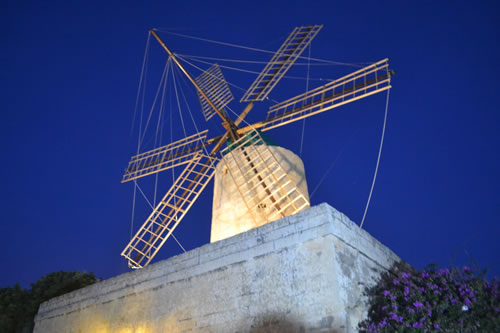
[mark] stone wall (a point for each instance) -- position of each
(302, 273)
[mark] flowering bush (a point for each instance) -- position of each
(444, 300)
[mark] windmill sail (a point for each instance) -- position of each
(266, 188)
(281, 62)
(214, 85)
(367, 81)
(166, 157)
(170, 211)
(264, 185)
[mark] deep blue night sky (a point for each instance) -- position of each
(69, 81)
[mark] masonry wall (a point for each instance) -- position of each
(303, 273)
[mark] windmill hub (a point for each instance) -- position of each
(234, 212)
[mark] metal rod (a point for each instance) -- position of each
(219, 112)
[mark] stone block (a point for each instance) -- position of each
(302, 273)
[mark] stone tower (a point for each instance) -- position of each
(230, 215)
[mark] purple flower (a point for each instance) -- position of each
(417, 324)
(406, 291)
(386, 293)
(436, 326)
(417, 304)
(467, 302)
(429, 312)
(410, 310)
(383, 323)
(405, 275)
(425, 275)
(395, 281)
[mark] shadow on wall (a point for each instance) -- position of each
(278, 323)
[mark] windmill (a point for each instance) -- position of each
(268, 191)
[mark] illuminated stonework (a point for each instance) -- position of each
(303, 273)
(230, 213)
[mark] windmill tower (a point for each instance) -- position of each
(234, 212)
(256, 183)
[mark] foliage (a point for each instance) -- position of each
(13, 302)
(19, 306)
(431, 300)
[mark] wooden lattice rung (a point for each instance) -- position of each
(151, 246)
(185, 189)
(266, 198)
(256, 158)
(157, 223)
(194, 182)
(137, 250)
(291, 203)
(277, 191)
(169, 205)
(253, 156)
(250, 171)
(180, 199)
(152, 233)
(199, 173)
(265, 179)
(255, 176)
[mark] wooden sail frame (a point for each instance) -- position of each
(165, 157)
(267, 190)
(170, 211)
(281, 62)
(213, 83)
(367, 81)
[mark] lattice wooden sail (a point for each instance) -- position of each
(166, 157)
(281, 62)
(170, 211)
(367, 81)
(214, 85)
(264, 185)
(267, 190)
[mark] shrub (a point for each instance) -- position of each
(433, 300)
(19, 306)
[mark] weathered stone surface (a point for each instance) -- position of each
(302, 273)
